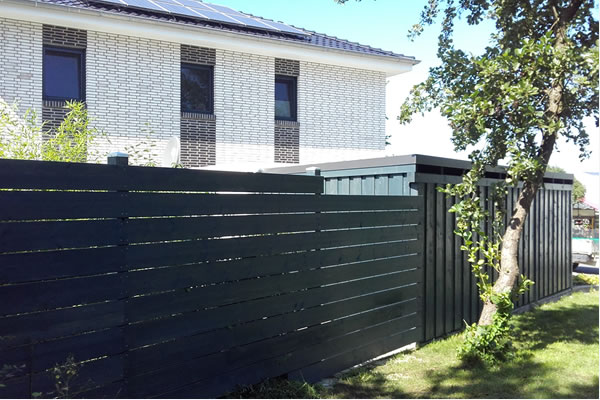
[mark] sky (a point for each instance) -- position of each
(384, 24)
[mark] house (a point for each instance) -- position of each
(237, 90)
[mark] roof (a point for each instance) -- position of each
(314, 39)
(424, 163)
(585, 204)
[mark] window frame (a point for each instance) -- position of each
(292, 82)
(211, 83)
(81, 72)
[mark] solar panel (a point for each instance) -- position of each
(206, 11)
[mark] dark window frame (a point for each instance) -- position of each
(211, 106)
(292, 83)
(69, 51)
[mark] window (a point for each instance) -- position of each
(63, 74)
(197, 88)
(285, 98)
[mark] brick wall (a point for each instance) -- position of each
(198, 131)
(244, 107)
(287, 133)
(53, 112)
(287, 67)
(133, 91)
(21, 64)
(287, 142)
(341, 113)
(133, 94)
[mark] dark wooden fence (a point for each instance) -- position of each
(449, 291)
(180, 283)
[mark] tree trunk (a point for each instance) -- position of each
(508, 277)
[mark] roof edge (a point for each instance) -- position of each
(104, 21)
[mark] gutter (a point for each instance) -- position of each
(177, 32)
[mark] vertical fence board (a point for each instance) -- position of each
(440, 276)
(430, 261)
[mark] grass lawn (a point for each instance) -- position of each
(557, 358)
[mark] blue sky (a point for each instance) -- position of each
(384, 24)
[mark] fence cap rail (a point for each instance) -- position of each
(26, 174)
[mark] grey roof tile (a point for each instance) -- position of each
(315, 38)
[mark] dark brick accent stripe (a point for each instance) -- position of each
(191, 115)
(64, 37)
(287, 67)
(53, 117)
(198, 55)
(287, 143)
(198, 141)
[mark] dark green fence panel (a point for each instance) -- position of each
(160, 285)
(449, 289)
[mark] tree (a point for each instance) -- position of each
(579, 189)
(534, 83)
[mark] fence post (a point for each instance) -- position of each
(122, 160)
(316, 171)
(118, 158)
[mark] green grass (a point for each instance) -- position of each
(585, 279)
(278, 388)
(557, 357)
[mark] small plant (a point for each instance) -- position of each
(142, 153)
(9, 371)
(63, 376)
(22, 138)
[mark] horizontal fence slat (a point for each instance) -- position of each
(171, 204)
(170, 278)
(49, 295)
(363, 352)
(42, 356)
(151, 358)
(164, 229)
(154, 331)
(30, 236)
(20, 174)
(31, 205)
(178, 253)
(30, 328)
(150, 306)
(25, 267)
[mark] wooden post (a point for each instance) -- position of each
(117, 158)
(122, 160)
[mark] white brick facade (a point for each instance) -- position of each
(341, 113)
(21, 64)
(244, 107)
(133, 90)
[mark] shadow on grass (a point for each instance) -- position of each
(541, 327)
(533, 373)
(372, 386)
